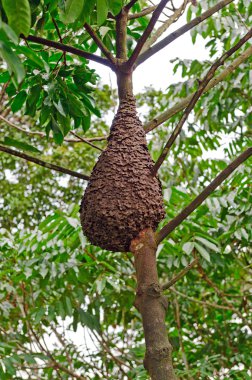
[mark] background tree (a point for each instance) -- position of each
(52, 280)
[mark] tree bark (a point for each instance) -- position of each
(153, 306)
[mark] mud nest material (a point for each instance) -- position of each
(122, 198)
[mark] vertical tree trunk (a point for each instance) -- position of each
(153, 306)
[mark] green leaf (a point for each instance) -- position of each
(10, 34)
(32, 55)
(102, 11)
(75, 106)
(202, 252)
(18, 13)
(32, 99)
(88, 320)
(115, 6)
(90, 106)
(39, 315)
(189, 14)
(68, 304)
(207, 243)
(72, 10)
(188, 247)
(87, 10)
(19, 145)
(19, 100)
(57, 134)
(13, 62)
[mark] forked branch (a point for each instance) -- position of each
(179, 32)
(169, 227)
(202, 86)
(43, 163)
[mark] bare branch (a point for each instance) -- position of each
(144, 12)
(86, 141)
(42, 134)
(43, 163)
(147, 32)
(181, 105)
(179, 32)
(69, 49)
(196, 96)
(180, 275)
(173, 18)
(169, 227)
(99, 43)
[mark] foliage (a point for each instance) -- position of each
(53, 282)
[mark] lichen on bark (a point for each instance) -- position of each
(122, 197)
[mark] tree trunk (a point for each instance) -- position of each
(153, 306)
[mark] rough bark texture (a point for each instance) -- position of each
(122, 198)
(152, 306)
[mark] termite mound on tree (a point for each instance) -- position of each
(122, 197)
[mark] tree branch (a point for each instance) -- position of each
(173, 18)
(43, 163)
(181, 105)
(169, 227)
(147, 32)
(179, 32)
(42, 134)
(68, 49)
(86, 141)
(196, 96)
(99, 43)
(180, 275)
(144, 12)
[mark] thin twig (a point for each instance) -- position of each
(182, 104)
(43, 163)
(169, 227)
(179, 32)
(205, 303)
(86, 141)
(196, 96)
(146, 33)
(42, 134)
(180, 275)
